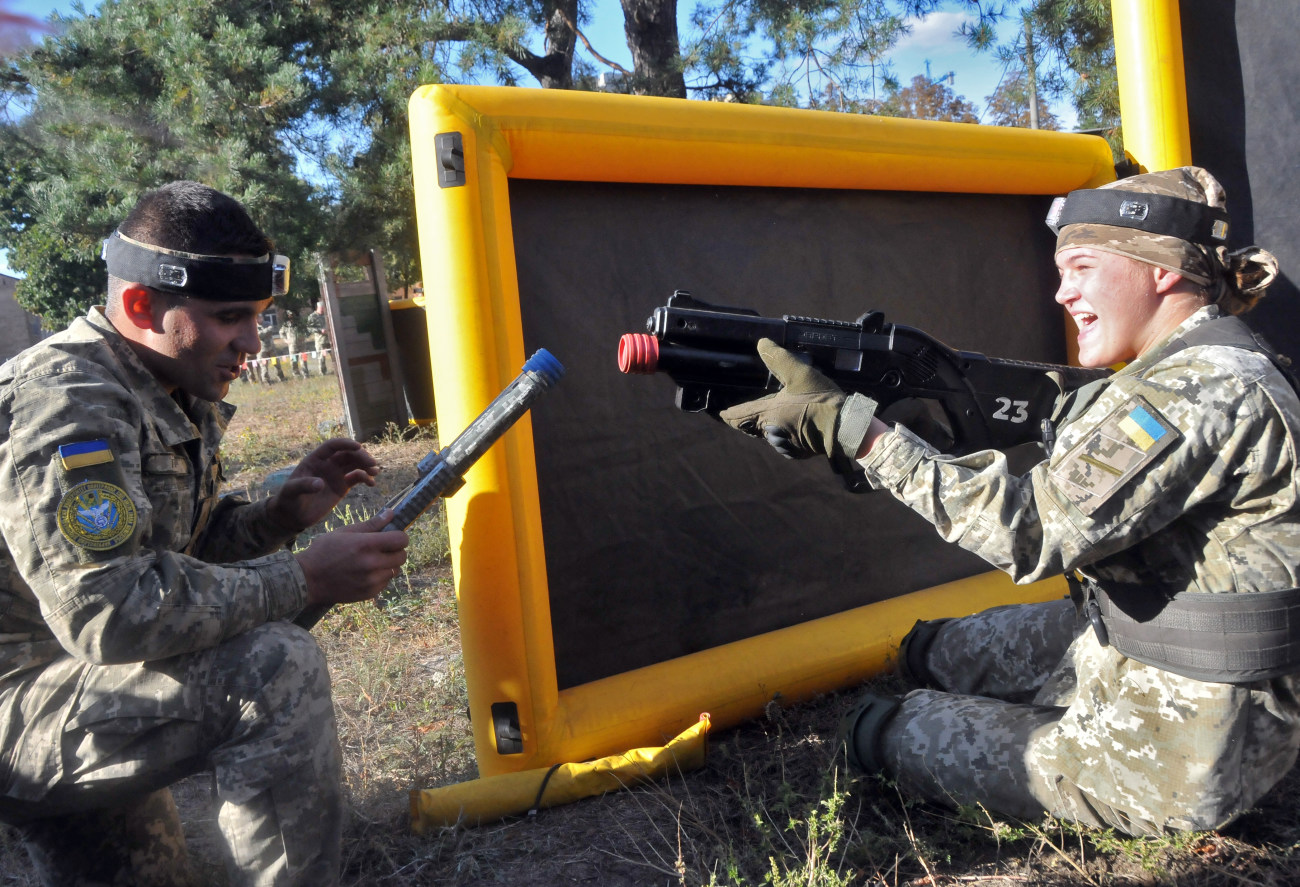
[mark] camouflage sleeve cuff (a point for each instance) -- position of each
(895, 454)
(284, 584)
(854, 422)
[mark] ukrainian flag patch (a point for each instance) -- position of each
(1142, 429)
(82, 455)
(1106, 458)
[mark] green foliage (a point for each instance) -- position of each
(1074, 54)
(926, 99)
(143, 92)
(808, 847)
(299, 109)
(1151, 853)
(357, 134)
(1081, 50)
(62, 275)
(1009, 105)
(830, 54)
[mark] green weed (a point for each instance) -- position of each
(278, 424)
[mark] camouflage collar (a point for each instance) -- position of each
(1155, 354)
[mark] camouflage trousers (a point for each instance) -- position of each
(256, 711)
(321, 342)
(972, 741)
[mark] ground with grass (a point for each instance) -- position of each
(773, 805)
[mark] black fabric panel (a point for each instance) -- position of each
(1241, 62)
(668, 533)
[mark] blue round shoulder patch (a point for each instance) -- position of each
(96, 515)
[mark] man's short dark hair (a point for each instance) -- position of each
(194, 218)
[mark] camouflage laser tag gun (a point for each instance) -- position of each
(442, 472)
(983, 402)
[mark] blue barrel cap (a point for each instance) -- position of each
(544, 364)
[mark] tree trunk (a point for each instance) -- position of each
(557, 73)
(1031, 71)
(651, 29)
(554, 70)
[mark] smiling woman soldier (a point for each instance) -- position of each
(1164, 695)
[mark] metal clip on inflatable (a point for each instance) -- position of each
(442, 472)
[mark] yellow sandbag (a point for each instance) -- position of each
(510, 794)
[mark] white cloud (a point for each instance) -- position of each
(937, 30)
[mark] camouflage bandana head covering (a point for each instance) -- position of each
(1233, 280)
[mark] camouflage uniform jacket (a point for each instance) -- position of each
(171, 570)
(266, 335)
(1178, 473)
(290, 331)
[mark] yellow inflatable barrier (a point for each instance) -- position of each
(473, 148)
(513, 794)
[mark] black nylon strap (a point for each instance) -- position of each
(1224, 638)
(1233, 332)
(541, 789)
(211, 277)
(1153, 213)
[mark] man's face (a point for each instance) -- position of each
(203, 343)
(1113, 301)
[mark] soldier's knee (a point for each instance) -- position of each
(914, 651)
(862, 728)
(275, 659)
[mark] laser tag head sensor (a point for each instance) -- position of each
(1152, 213)
(219, 278)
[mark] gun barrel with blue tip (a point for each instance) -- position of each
(442, 472)
(545, 365)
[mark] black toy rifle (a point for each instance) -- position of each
(711, 354)
(442, 472)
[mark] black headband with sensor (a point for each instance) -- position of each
(1153, 213)
(218, 278)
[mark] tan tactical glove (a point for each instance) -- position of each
(803, 418)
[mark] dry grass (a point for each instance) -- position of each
(774, 805)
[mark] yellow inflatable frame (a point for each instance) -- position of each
(476, 348)
(1152, 82)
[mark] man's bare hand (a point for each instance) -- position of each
(320, 481)
(355, 563)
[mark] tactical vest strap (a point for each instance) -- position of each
(1222, 638)
(1234, 333)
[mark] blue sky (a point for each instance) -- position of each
(932, 40)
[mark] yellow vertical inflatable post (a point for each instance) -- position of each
(472, 303)
(1152, 84)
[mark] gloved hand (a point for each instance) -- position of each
(803, 418)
